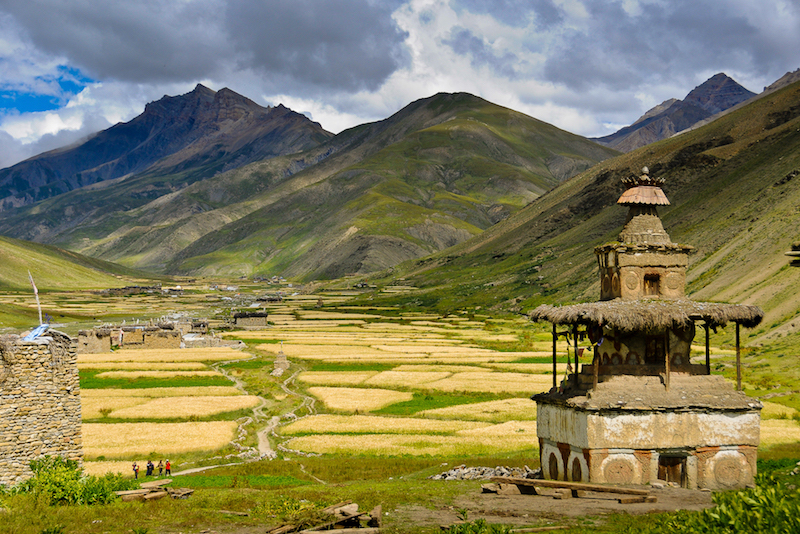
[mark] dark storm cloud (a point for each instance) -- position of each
(663, 42)
(346, 45)
(464, 42)
(327, 43)
(515, 12)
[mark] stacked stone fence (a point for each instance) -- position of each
(40, 404)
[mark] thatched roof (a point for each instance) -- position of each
(644, 194)
(649, 314)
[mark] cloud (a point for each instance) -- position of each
(583, 65)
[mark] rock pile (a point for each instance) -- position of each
(462, 472)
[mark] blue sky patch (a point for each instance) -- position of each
(65, 84)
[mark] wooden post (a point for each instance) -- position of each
(738, 361)
(575, 336)
(708, 350)
(666, 359)
(555, 341)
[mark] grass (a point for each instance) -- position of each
(432, 400)
(90, 380)
(237, 481)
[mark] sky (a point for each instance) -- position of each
(69, 68)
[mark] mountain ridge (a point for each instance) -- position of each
(171, 134)
(718, 93)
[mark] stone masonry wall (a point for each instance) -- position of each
(40, 404)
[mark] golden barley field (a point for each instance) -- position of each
(151, 366)
(335, 378)
(777, 431)
(125, 440)
(131, 375)
(471, 442)
(358, 399)
(164, 355)
(371, 424)
(160, 392)
(184, 407)
(521, 409)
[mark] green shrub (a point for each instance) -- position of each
(59, 481)
(767, 508)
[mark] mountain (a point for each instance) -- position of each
(716, 94)
(435, 173)
(56, 269)
(734, 189)
(203, 129)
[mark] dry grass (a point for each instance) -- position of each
(151, 366)
(369, 424)
(494, 383)
(531, 368)
(335, 378)
(165, 355)
(323, 352)
(437, 368)
(358, 399)
(160, 392)
(462, 444)
(405, 378)
(436, 349)
(773, 410)
(122, 440)
(91, 406)
(778, 431)
(493, 411)
(183, 407)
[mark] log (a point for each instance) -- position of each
(338, 520)
(331, 508)
(283, 529)
(634, 500)
(365, 530)
(156, 495)
(539, 529)
(569, 485)
(156, 483)
(229, 512)
(375, 517)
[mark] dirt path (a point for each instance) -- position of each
(265, 449)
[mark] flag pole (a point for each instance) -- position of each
(36, 293)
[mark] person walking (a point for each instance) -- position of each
(160, 468)
(135, 470)
(168, 468)
(150, 468)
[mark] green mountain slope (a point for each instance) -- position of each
(434, 174)
(734, 188)
(55, 269)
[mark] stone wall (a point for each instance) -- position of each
(40, 404)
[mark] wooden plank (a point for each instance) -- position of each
(569, 485)
(326, 526)
(229, 512)
(283, 529)
(375, 517)
(634, 500)
(365, 530)
(156, 483)
(539, 529)
(331, 508)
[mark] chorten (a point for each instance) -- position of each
(642, 410)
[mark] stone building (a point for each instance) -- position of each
(642, 411)
(40, 404)
(252, 319)
(100, 340)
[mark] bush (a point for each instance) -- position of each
(769, 507)
(59, 481)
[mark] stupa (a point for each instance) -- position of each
(642, 411)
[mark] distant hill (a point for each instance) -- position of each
(54, 268)
(734, 188)
(716, 94)
(434, 174)
(202, 130)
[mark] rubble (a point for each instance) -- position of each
(462, 472)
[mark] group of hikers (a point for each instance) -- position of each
(162, 467)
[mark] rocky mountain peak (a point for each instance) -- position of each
(718, 93)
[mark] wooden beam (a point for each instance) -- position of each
(666, 359)
(555, 371)
(708, 349)
(738, 361)
(575, 345)
(569, 485)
